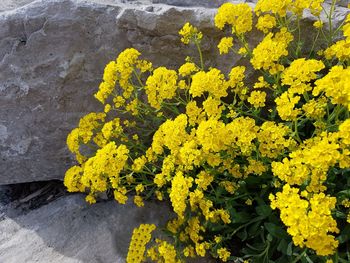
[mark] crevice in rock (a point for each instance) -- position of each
(30, 196)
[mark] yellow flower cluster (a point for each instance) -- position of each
(238, 16)
(104, 167)
(257, 99)
(273, 141)
(189, 33)
(120, 71)
(187, 69)
(266, 23)
(179, 192)
(72, 179)
(281, 7)
(225, 44)
(286, 106)
(88, 124)
(223, 254)
(171, 134)
(335, 85)
(84, 133)
(212, 82)
(140, 237)
(163, 252)
(270, 50)
(300, 73)
(161, 85)
(341, 49)
(109, 81)
(310, 163)
(308, 219)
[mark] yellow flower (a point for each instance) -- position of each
(90, 199)
(190, 156)
(213, 108)
(161, 85)
(159, 195)
(73, 144)
(120, 195)
(301, 71)
(223, 254)
(261, 83)
(279, 7)
(272, 139)
(266, 23)
(340, 50)
(240, 133)
(212, 82)
(308, 221)
(139, 163)
(126, 63)
(194, 113)
(285, 106)
(257, 99)
(72, 179)
(236, 78)
(179, 192)
(138, 201)
(310, 163)
(335, 85)
(105, 167)
(132, 107)
(189, 33)
(203, 180)
(270, 50)
(211, 135)
(88, 124)
(187, 69)
(140, 237)
(112, 129)
(318, 24)
(225, 44)
(167, 252)
(109, 81)
(171, 134)
(238, 16)
(315, 108)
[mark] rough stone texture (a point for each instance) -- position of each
(70, 231)
(52, 55)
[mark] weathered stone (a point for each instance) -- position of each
(205, 3)
(70, 231)
(52, 55)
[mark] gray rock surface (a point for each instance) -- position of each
(52, 55)
(70, 231)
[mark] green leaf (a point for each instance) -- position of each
(242, 234)
(290, 249)
(283, 246)
(276, 231)
(269, 237)
(254, 230)
(344, 234)
(263, 210)
(241, 217)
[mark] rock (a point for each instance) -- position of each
(205, 3)
(52, 55)
(70, 231)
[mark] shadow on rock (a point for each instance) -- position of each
(69, 230)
